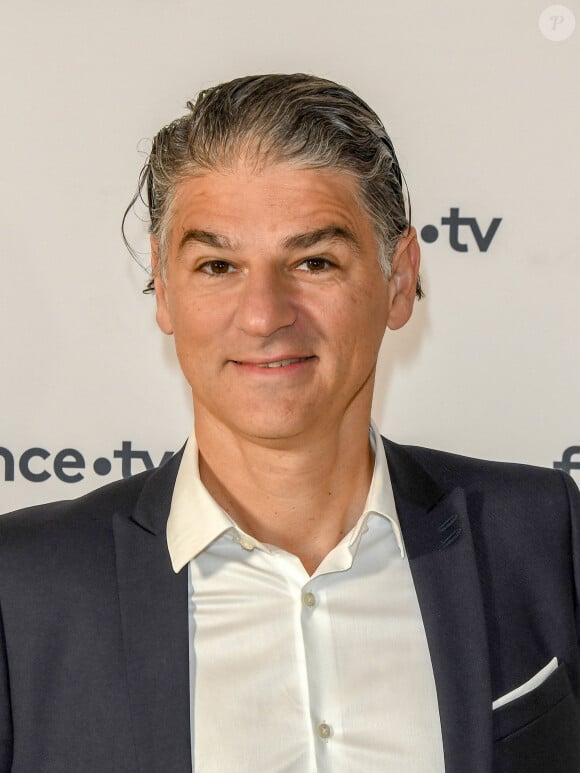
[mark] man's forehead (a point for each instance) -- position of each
(282, 179)
(298, 207)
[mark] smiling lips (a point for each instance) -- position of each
(275, 363)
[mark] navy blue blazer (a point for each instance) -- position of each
(94, 634)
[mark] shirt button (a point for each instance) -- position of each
(324, 731)
(246, 542)
(308, 599)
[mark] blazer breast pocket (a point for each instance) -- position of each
(539, 732)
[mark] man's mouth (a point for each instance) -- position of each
(276, 363)
(282, 363)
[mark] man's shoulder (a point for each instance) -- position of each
(92, 509)
(504, 502)
(447, 462)
(76, 538)
(505, 479)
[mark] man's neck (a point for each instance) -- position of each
(303, 498)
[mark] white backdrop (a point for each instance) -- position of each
(484, 110)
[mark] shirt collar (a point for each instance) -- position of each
(196, 520)
(381, 499)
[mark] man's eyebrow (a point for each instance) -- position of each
(296, 242)
(329, 233)
(204, 237)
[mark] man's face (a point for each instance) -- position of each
(275, 297)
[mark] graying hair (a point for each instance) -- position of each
(297, 118)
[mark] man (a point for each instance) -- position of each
(291, 592)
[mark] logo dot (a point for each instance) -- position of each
(429, 233)
(102, 466)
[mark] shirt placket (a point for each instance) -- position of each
(315, 652)
(325, 708)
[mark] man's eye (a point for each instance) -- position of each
(314, 265)
(216, 267)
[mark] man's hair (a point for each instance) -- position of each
(309, 121)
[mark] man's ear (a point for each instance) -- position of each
(163, 316)
(403, 280)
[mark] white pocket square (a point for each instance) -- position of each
(526, 687)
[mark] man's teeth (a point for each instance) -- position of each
(281, 363)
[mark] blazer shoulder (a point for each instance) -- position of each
(446, 463)
(88, 520)
(524, 483)
(93, 508)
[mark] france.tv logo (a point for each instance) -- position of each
(69, 465)
(461, 231)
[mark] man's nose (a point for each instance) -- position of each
(265, 303)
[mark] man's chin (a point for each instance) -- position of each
(264, 421)
(275, 433)
(271, 429)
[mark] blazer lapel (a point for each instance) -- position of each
(153, 605)
(438, 541)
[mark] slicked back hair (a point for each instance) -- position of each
(301, 119)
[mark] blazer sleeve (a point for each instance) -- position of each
(574, 501)
(5, 709)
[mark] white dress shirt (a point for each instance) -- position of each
(292, 673)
